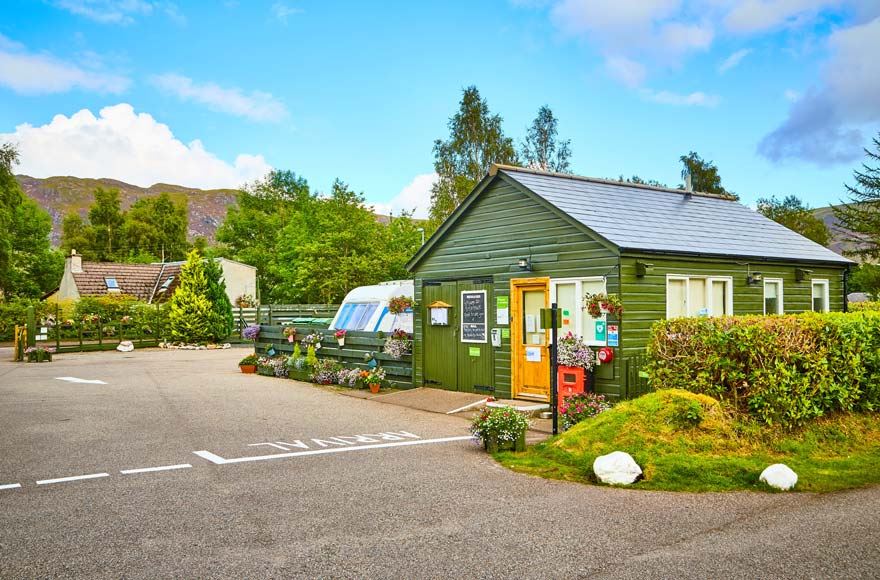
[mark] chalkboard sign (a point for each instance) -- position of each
(473, 316)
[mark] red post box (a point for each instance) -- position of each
(569, 381)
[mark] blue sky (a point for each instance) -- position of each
(781, 94)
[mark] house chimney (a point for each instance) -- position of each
(76, 262)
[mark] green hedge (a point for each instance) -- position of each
(781, 369)
(862, 306)
(14, 312)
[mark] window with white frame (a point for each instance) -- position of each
(698, 296)
(773, 296)
(568, 293)
(821, 302)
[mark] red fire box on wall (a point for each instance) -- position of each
(569, 380)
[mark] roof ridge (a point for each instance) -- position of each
(496, 167)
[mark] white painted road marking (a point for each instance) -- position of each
(150, 469)
(221, 461)
(10, 485)
(77, 380)
(73, 478)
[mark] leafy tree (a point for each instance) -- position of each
(637, 179)
(861, 215)
(10, 197)
(253, 227)
(476, 140)
(402, 239)
(156, 226)
(703, 174)
(34, 267)
(106, 219)
(222, 321)
(795, 215)
(866, 278)
(541, 149)
(191, 318)
(77, 235)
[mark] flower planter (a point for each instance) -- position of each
(374, 388)
(248, 369)
(39, 357)
(291, 338)
(299, 375)
(266, 371)
(341, 341)
(493, 445)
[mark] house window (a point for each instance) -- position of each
(569, 296)
(773, 296)
(821, 303)
(698, 296)
(168, 282)
(112, 284)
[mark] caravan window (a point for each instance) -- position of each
(356, 315)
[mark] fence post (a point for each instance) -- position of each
(270, 315)
(100, 331)
(31, 326)
(58, 327)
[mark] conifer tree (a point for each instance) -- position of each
(191, 316)
(222, 320)
(861, 216)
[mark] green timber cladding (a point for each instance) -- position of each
(575, 227)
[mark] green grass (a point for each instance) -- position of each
(722, 452)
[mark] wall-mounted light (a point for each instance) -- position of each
(754, 278)
(524, 264)
(801, 274)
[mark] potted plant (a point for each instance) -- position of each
(400, 304)
(248, 365)
(374, 378)
(313, 340)
(297, 368)
(290, 333)
(340, 337)
(398, 344)
(501, 429)
(324, 372)
(265, 367)
(39, 353)
(251, 332)
(599, 303)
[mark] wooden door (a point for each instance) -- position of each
(440, 343)
(476, 367)
(530, 351)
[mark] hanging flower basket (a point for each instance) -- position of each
(340, 337)
(400, 304)
(601, 303)
(290, 333)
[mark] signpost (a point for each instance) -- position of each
(550, 317)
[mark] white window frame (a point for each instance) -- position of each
(826, 295)
(579, 295)
(728, 298)
(485, 317)
(780, 295)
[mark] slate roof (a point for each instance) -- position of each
(653, 219)
(139, 280)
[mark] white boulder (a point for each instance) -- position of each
(125, 346)
(779, 476)
(616, 468)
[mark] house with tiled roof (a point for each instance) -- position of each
(147, 282)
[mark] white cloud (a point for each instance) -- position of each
(825, 125)
(107, 11)
(629, 72)
(792, 95)
(733, 60)
(256, 105)
(282, 11)
(750, 16)
(695, 99)
(38, 73)
(414, 197)
(121, 144)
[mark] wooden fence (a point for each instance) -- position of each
(100, 334)
(357, 346)
(273, 314)
(636, 378)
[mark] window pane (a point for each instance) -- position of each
(719, 298)
(697, 297)
(676, 298)
(820, 297)
(588, 324)
(533, 302)
(566, 299)
(771, 298)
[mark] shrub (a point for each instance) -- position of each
(14, 312)
(575, 408)
(781, 369)
(192, 316)
(862, 306)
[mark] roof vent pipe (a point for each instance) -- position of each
(688, 184)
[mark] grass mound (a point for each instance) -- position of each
(689, 442)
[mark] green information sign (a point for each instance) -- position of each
(502, 301)
(505, 333)
(601, 330)
(474, 351)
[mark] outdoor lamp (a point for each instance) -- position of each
(754, 278)
(524, 264)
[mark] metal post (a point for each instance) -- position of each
(31, 326)
(554, 333)
(58, 327)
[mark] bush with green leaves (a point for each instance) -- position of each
(14, 312)
(504, 424)
(192, 318)
(781, 369)
(863, 306)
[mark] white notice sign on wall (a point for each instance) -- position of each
(533, 354)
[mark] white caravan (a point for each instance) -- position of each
(366, 308)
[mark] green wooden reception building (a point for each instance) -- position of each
(524, 239)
